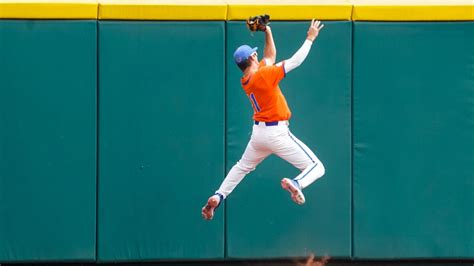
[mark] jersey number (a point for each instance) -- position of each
(255, 105)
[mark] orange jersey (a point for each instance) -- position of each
(262, 88)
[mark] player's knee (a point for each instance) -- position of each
(322, 170)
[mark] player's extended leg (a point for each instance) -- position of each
(291, 149)
(252, 156)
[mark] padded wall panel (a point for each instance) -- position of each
(414, 140)
(161, 135)
(48, 82)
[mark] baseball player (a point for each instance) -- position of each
(270, 134)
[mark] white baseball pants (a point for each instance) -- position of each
(277, 139)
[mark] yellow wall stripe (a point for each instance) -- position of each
(357, 10)
(291, 10)
(31, 9)
(163, 10)
(413, 10)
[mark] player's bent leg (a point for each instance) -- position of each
(299, 155)
(313, 172)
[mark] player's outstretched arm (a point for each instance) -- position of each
(297, 59)
(269, 53)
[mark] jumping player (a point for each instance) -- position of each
(270, 134)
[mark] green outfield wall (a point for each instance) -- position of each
(118, 121)
(413, 140)
(161, 139)
(48, 149)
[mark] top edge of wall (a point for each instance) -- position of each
(52, 9)
(221, 10)
(163, 9)
(413, 10)
(290, 9)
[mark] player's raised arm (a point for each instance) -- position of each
(301, 54)
(269, 53)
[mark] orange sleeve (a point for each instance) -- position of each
(273, 74)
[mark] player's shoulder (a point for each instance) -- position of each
(267, 69)
(264, 65)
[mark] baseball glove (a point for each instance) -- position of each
(258, 23)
